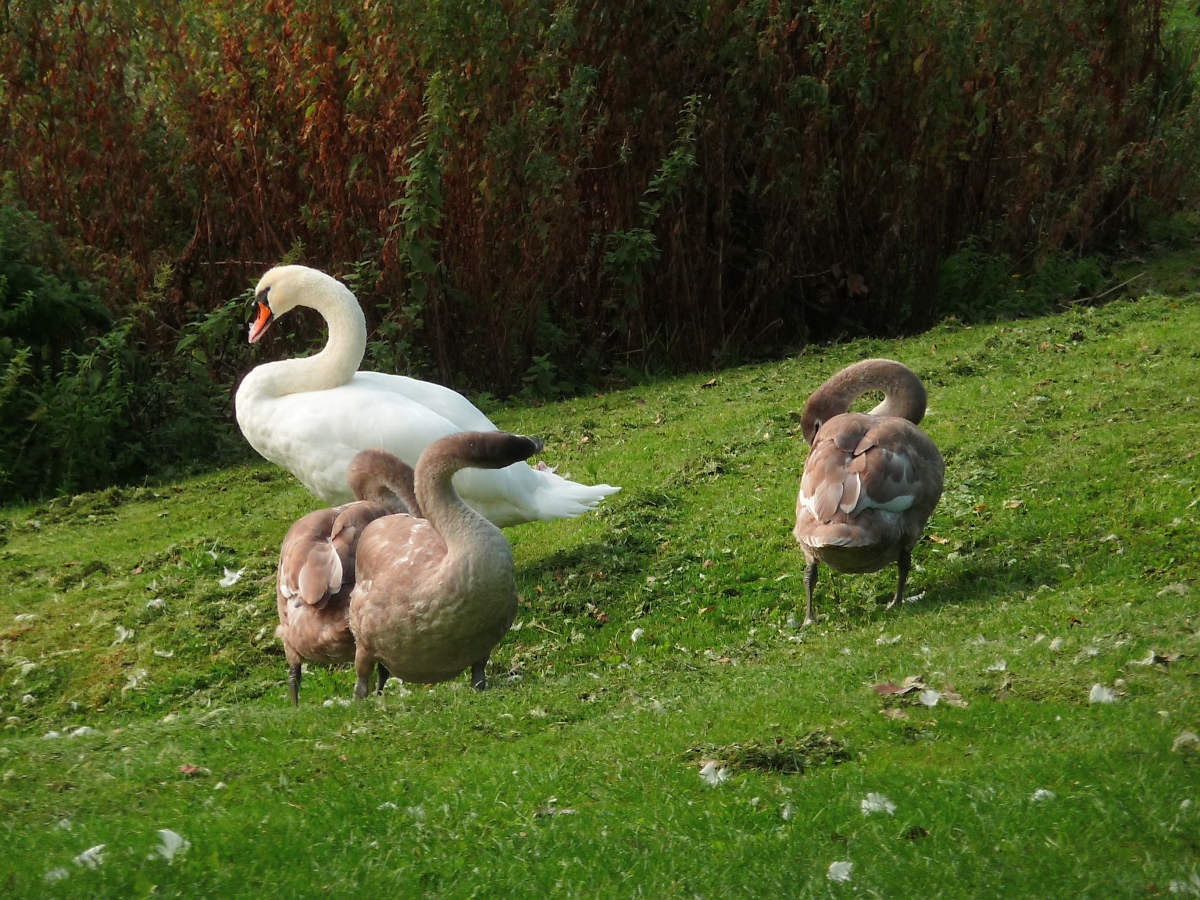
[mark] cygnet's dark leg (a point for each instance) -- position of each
(810, 584)
(384, 674)
(902, 564)
(294, 674)
(363, 666)
(479, 676)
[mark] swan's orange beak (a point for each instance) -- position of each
(261, 321)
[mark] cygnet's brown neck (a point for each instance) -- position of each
(904, 395)
(382, 477)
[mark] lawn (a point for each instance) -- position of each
(654, 637)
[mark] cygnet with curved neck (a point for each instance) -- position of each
(434, 597)
(317, 565)
(871, 480)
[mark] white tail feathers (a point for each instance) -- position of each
(519, 493)
(557, 498)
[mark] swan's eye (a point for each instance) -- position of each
(263, 298)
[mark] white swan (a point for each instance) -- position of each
(312, 415)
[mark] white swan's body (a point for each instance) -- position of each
(311, 416)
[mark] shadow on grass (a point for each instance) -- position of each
(991, 580)
(975, 585)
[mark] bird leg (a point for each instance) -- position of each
(363, 666)
(384, 674)
(902, 564)
(294, 674)
(810, 584)
(479, 676)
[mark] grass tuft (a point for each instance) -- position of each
(778, 756)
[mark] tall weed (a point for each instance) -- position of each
(975, 286)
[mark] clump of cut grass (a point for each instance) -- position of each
(779, 756)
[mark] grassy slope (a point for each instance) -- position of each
(1070, 512)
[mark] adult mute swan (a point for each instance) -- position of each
(871, 480)
(434, 597)
(317, 565)
(312, 415)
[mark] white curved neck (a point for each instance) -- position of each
(338, 361)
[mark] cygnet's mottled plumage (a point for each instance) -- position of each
(871, 480)
(435, 596)
(317, 564)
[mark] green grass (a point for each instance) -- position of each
(1069, 516)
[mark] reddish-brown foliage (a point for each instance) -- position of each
(528, 179)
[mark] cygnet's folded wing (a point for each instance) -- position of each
(860, 462)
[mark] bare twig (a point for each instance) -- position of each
(1109, 291)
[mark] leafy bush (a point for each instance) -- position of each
(82, 404)
(975, 286)
(38, 310)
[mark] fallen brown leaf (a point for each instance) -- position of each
(911, 683)
(708, 384)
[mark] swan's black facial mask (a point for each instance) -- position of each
(263, 319)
